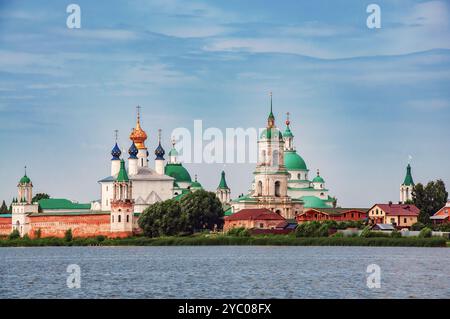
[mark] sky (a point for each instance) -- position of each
(362, 101)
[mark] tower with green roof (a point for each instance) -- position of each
(22, 207)
(122, 204)
(223, 191)
(407, 186)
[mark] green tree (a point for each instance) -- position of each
(4, 209)
(162, 219)
(68, 235)
(201, 210)
(429, 199)
(39, 196)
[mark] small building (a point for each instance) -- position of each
(383, 227)
(250, 218)
(399, 215)
(328, 213)
(441, 216)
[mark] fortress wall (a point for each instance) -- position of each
(81, 225)
(5, 226)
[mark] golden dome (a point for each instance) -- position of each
(138, 135)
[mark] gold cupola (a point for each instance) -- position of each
(138, 135)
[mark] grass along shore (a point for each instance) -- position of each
(227, 240)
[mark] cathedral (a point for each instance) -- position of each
(281, 178)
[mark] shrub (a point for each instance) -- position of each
(239, 232)
(366, 232)
(396, 234)
(337, 235)
(425, 233)
(100, 238)
(68, 235)
(417, 226)
(14, 234)
(443, 227)
(37, 233)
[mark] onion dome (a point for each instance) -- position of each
(195, 184)
(293, 161)
(138, 135)
(122, 176)
(177, 171)
(318, 178)
(408, 178)
(116, 152)
(159, 152)
(223, 182)
(133, 151)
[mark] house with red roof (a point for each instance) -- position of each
(332, 213)
(442, 215)
(399, 215)
(251, 218)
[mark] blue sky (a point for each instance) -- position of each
(362, 100)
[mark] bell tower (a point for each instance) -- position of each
(122, 205)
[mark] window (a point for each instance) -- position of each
(277, 189)
(128, 218)
(106, 188)
(259, 190)
(299, 176)
(404, 220)
(261, 225)
(119, 218)
(275, 157)
(112, 218)
(353, 215)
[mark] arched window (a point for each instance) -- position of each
(278, 212)
(119, 218)
(299, 176)
(263, 156)
(259, 189)
(275, 159)
(277, 189)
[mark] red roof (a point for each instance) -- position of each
(254, 214)
(399, 209)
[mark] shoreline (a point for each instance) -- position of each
(276, 240)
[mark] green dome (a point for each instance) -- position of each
(173, 152)
(196, 185)
(293, 161)
(267, 133)
(318, 179)
(178, 172)
(25, 180)
(313, 202)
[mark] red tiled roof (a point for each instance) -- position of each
(254, 214)
(399, 209)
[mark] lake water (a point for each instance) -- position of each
(224, 272)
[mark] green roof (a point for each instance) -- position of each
(223, 182)
(177, 171)
(25, 180)
(179, 196)
(293, 161)
(74, 213)
(408, 178)
(228, 211)
(313, 202)
(287, 132)
(196, 184)
(61, 203)
(267, 133)
(122, 176)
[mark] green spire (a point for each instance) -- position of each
(223, 182)
(408, 178)
(271, 118)
(122, 176)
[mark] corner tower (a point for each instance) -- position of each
(122, 204)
